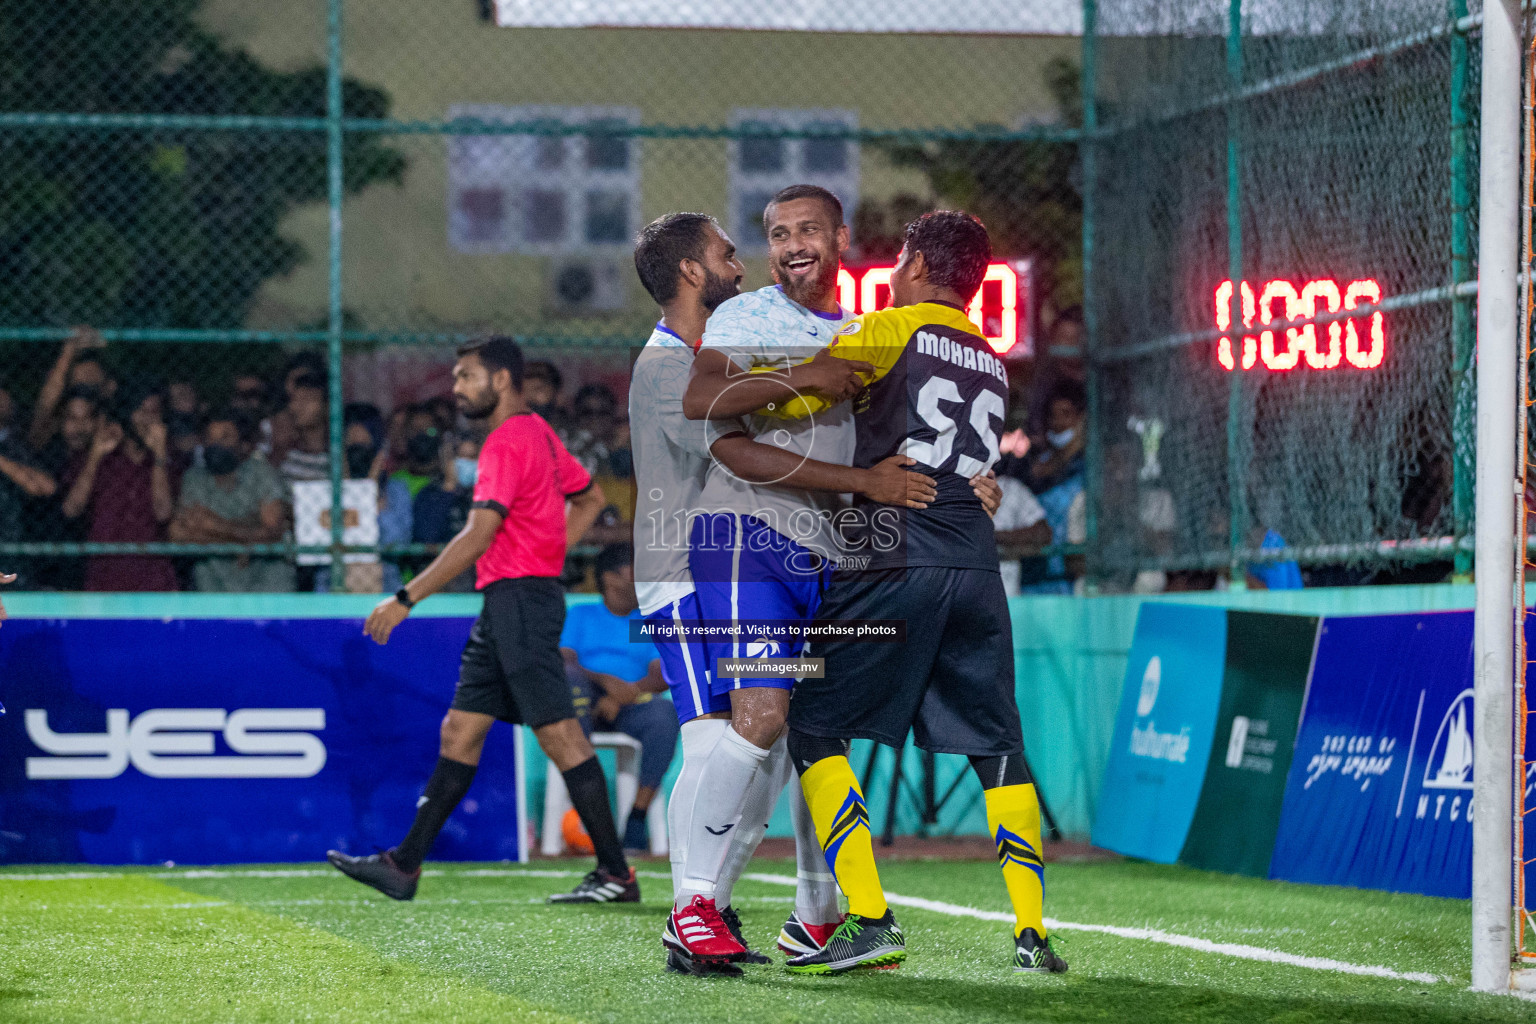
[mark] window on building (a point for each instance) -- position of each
(760, 165)
(556, 191)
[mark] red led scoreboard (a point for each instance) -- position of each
(1000, 309)
(1360, 342)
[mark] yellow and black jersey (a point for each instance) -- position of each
(940, 396)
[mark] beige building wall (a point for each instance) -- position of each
(399, 271)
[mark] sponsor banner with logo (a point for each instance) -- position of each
(1380, 787)
(223, 741)
(1268, 658)
(1164, 731)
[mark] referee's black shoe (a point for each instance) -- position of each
(601, 886)
(378, 870)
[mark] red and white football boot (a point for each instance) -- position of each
(698, 932)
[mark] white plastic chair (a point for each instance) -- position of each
(626, 756)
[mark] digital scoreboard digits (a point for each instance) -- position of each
(996, 310)
(1316, 346)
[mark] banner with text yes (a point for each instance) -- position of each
(132, 741)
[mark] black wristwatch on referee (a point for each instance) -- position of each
(404, 597)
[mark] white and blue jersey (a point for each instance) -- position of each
(763, 551)
(767, 329)
(671, 457)
(759, 582)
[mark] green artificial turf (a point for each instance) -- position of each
(479, 944)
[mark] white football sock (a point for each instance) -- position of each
(815, 884)
(699, 737)
(725, 782)
(758, 808)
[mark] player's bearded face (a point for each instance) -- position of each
(475, 397)
(717, 289)
(803, 250)
(807, 269)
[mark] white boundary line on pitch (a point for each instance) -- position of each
(1232, 949)
(84, 876)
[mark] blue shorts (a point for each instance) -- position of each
(685, 662)
(743, 571)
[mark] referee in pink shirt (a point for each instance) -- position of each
(516, 538)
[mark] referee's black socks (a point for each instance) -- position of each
(589, 795)
(449, 782)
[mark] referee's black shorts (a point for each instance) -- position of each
(512, 669)
(951, 683)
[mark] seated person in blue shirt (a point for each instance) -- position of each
(616, 681)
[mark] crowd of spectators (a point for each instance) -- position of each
(94, 459)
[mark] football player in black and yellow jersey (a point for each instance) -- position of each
(939, 395)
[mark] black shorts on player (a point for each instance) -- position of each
(951, 683)
(512, 669)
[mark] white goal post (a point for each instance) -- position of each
(1499, 415)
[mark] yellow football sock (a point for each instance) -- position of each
(1013, 818)
(842, 826)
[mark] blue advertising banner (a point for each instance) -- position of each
(1380, 788)
(218, 741)
(1164, 731)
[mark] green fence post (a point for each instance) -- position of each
(1237, 497)
(1094, 448)
(1463, 341)
(334, 193)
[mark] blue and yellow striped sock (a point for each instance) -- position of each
(1013, 818)
(842, 827)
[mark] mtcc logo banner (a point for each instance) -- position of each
(179, 743)
(1380, 789)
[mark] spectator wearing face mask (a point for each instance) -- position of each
(440, 510)
(1054, 471)
(126, 491)
(422, 457)
(1059, 455)
(234, 497)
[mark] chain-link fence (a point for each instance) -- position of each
(1324, 155)
(294, 210)
(228, 229)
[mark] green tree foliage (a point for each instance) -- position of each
(157, 228)
(1027, 192)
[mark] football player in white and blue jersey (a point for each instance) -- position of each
(763, 554)
(761, 546)
(689, 266)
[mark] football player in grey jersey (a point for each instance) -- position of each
(689, 266)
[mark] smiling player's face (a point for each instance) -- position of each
(805, 249)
